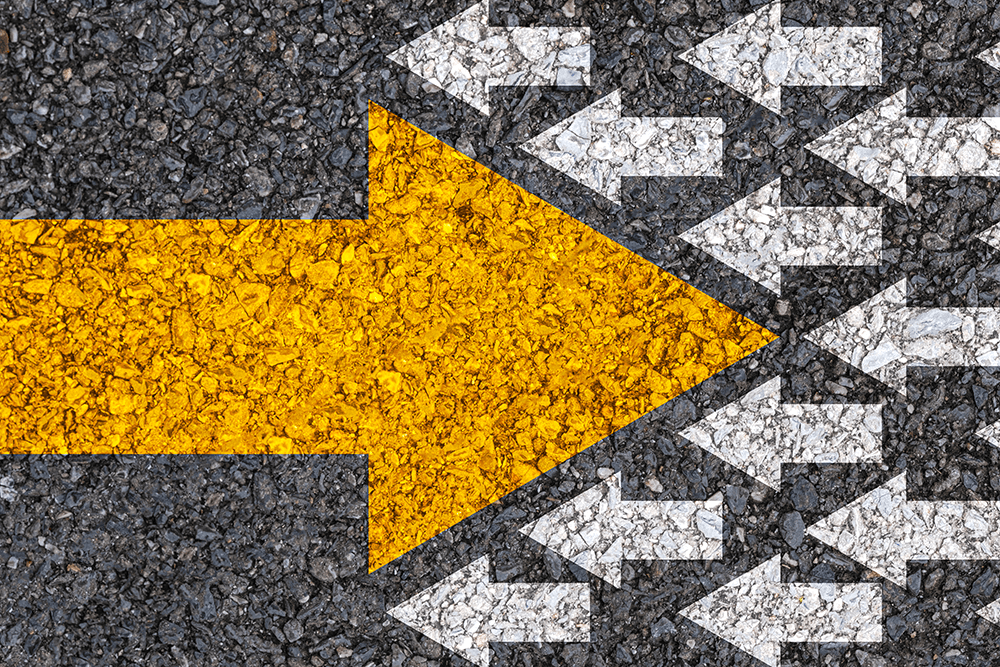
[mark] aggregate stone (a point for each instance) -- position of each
(213, 108)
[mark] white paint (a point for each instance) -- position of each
(757, 433)
(597, 530)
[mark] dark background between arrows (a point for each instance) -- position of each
(262, 560)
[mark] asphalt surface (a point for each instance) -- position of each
(221, 109)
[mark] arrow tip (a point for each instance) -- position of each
(586, 513)
(426, 614)
(991, 56)
(578, 147)
(724, 56)
(436, 56)
(856, 339)
(990, 433)
(867, 146)
(722, 235)
(742, 599)
(857, 530)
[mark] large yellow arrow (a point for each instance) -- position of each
(466, 337)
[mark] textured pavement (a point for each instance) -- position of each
(212, 109)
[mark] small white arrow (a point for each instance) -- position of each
(597, 530)
(991, 56)
(882, 146)
(757, 613)
(758, 433)
(466, 56)
(883, 335)
(757, 236)
(465, 612)
(756, 56)
(883, 530)
(597, 146)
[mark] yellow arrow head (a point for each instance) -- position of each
(511, 337)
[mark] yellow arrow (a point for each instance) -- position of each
(466, 337)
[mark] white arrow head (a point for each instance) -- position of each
(581, 146)
(990, 236)
(466, 56)
(869, 336)
(756, 612)
(437, 612)
(991, 612)
(756, 218)
(873, 146)
(869, 530)
(745, 56)
(576, 530)
(991, 56)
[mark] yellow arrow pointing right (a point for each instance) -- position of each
(466, 337)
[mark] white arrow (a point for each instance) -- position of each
(597, 530)
(466, 56)
(883, 335)
(597, 146)
(757, 236)
(465, 612)
(757, 613)
(756, 56)
(883, 530)
(882, 146)
(991, 56)
(758, 433)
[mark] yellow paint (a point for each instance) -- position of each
(467, 337)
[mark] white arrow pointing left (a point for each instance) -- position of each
(757, 613)
(882, 146)
(465, 612)
(757, 56)
(467, 57)
(757, 236)
(597, 146)
(758, 433)
(883, 530)
(597, 530)
(882, 336)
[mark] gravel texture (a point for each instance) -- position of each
(211, 108)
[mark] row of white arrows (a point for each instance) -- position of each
(598, 146)
(467, 57)
(882, 530)
(598, 531)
